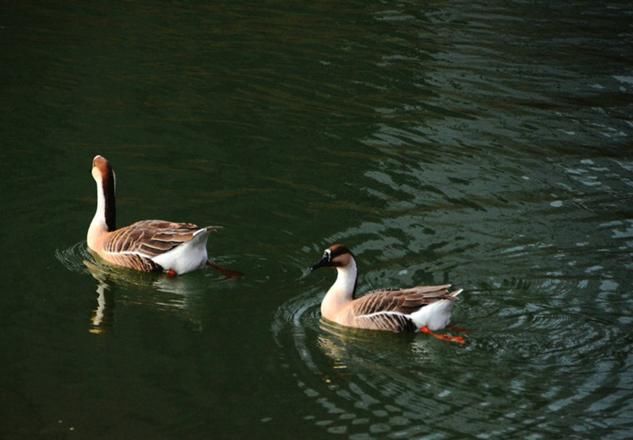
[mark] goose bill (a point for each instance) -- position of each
(324, 262)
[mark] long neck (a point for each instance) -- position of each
(104, 219)
(342, 291)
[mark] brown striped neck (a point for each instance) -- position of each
(108, 188)
(342, 291)
(353, 272)
(343, 260)
(104, 219)
(346, 280)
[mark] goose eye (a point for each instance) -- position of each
(327, 254)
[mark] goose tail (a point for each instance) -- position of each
(436, 315)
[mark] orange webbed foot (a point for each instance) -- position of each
(171, 273)
(446, 338)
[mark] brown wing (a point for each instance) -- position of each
(149, 238)
(134, 261)
(389, 309)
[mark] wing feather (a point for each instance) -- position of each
(150, 238)
(390, 309)
(135, 261)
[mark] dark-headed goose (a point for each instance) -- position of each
(424, 308)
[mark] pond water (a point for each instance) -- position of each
(483, 144)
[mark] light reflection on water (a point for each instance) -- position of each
(367, 384)
(119, 285)
(486, 145)
(544, 309)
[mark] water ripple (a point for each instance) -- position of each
(536, 338)
(123, 286)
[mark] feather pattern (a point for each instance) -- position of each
(135, 246)
(150, 238)
(391, 309)
(133, 261)
(147, 245)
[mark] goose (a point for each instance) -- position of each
(424, 308)
(147, 245)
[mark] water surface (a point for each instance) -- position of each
(487, 145)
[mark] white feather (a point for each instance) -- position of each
(436, 315)
(187, 257)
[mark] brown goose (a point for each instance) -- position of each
(427, 308)
(147, 245)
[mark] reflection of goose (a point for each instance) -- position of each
(161, 292)
(102, 315)
(148, 245)
(427, 308)
(129, 287)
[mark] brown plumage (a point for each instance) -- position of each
(391, 310)
(148, 245)
(149, 237)
(133, 246)
(132, 261)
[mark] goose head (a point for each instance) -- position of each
(344, 288)
(101, 169)
(337, 256)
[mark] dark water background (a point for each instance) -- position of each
(483, 143)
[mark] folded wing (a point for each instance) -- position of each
(136, 245)
(390, 309)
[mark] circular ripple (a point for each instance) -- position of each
(363, 383)
(543, 357)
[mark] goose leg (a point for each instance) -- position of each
(228, 273)
(446, 338)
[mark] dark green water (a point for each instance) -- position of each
(486, 144)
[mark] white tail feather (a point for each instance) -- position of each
(437, 315)
(187, 257)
